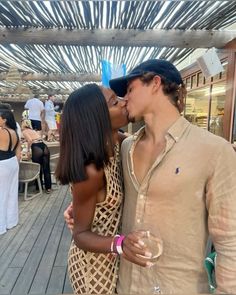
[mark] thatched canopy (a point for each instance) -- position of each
(57, 46)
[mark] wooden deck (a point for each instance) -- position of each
(33, 255)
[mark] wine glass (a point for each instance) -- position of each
(153, 244)
(151, 240)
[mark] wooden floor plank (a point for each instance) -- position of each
(62, 253)
(23, 229)
(24, 282)
(43, 273)
(33, 257)
(57, 279)
(8, 280)
(38, 220)
(67, 285)
(23, 215)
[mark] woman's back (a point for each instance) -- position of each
(31, 135)
(8, 139)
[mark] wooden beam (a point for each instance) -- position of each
(116, 37)
(231, 45)
(57, 77)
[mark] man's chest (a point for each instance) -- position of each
(144, 157)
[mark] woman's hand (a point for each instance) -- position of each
(68, 216)
(133, 247)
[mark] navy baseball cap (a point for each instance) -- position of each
(158, 66)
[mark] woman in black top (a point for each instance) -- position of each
(9, 170)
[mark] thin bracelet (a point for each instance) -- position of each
(118, 244)
(112, 243)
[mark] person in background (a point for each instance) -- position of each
(58, 120)
(90, 162)
(7, 106)
(36, 112)
(25, 115)
(9, 170)
(39, 152)
(50, 117)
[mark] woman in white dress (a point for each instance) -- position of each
(9, 170)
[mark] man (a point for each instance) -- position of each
(50, 117)
(180, 178)
(36, 112)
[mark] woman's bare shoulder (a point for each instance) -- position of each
(94, 181)
(4, 133)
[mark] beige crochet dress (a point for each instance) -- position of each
(96, 273)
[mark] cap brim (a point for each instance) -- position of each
(119, 85)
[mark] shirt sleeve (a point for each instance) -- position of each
(221, 204)
(42, 106)
(49, 106)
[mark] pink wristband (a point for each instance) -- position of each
(118, 244)
(112, 243)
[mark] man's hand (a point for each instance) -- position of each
(68, 216)
(135, 251)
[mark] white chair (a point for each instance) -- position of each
(54, 147)
(53, 164)
(29, 172)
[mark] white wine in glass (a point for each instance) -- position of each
(154, 245)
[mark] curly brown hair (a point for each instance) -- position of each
(176, 93)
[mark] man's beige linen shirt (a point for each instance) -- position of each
(190, 187)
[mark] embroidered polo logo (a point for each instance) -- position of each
(177, 170)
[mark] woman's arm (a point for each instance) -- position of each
(27, 137)
(129, 246)
(29, 140)
(84, 204)
(18, 151)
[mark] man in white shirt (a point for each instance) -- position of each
(36, 112)
(50, 117)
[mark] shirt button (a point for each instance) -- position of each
(141, 197)
(138, 220)
(176, 138)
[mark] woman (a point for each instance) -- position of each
(89, 161)
(40, 153)
(9, 170)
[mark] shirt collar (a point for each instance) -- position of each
(175, 131)
(178, 128)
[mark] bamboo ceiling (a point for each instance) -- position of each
(65, 59)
